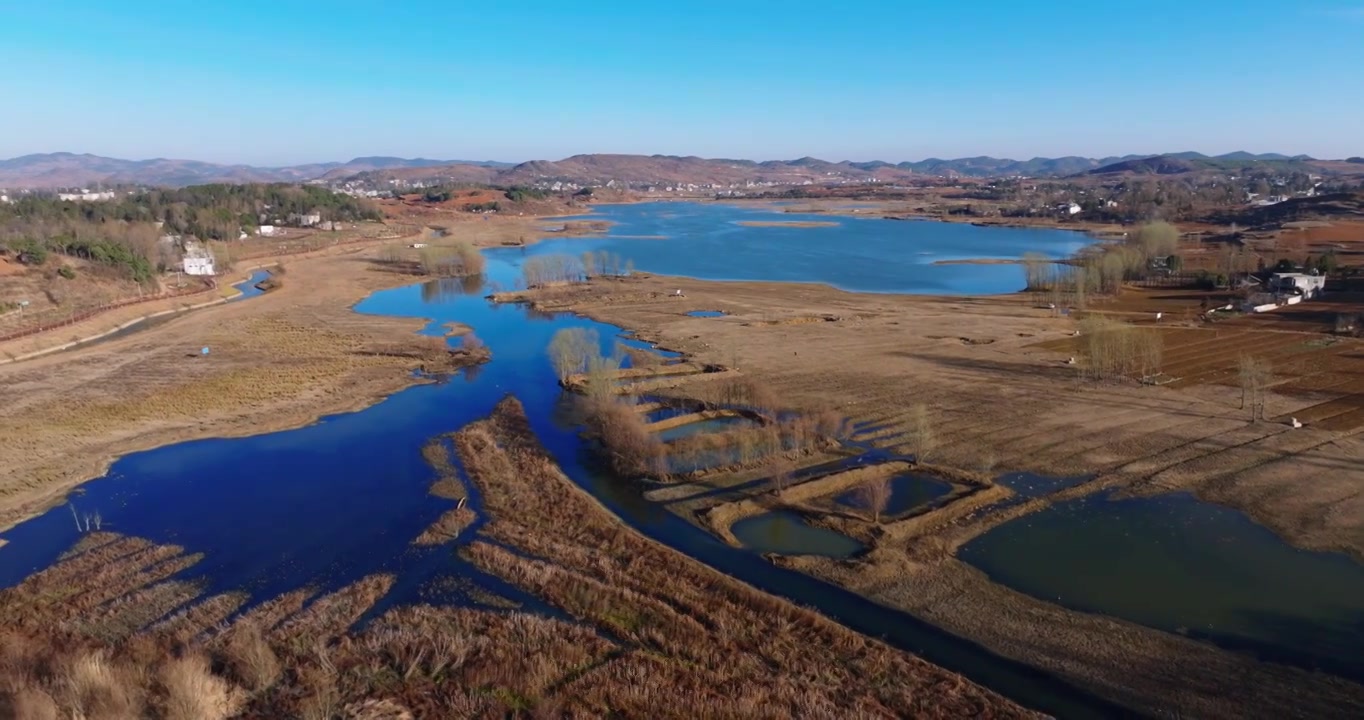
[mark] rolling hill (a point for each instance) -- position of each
(65, 169)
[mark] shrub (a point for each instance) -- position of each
(630, 448)
(66, 272)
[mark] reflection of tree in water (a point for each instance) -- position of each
(451, 288)
(533, 314)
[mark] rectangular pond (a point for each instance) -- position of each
(702, 427)
(786, 533)
(908, 491)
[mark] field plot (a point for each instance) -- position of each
(1305, 366)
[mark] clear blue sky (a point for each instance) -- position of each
(284, 81)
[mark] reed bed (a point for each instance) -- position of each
(447, 485)
(447, 527)
(196, 621)
(654, 634)
(331, 615)
(706, 633)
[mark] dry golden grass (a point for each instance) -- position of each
(706, 630)
(193, 692)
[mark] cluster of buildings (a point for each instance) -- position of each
(87, 195)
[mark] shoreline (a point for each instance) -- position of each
(39, 484)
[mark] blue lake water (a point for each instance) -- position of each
(705, 240)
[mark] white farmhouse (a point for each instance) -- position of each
(197, 261)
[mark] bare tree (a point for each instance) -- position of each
(1255, 375)
(783, 471)
(874, 496)
(1157, 239)
(570, 350)
(922, 438)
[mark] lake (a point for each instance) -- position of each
(706, 241)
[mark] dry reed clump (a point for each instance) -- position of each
(707, 637)
(456, 520)
(249, 658)
(630, 448)
(193, 692)
(49, 674)
(447, 527)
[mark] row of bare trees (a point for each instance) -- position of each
(606, 264)
(1112, 349)
(547, 270)
(1075, 281)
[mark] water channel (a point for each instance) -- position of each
(324, 505)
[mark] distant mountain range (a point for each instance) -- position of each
(72, 170)
(65, 169)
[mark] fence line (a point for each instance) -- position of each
(91, 312)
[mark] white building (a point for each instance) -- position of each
(198, 260)
(1308, 286)
(267, 230)
(87, 196)
(307, 220)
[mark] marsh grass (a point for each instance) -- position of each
(688, 630)
(654, 633)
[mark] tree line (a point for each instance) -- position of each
(209, 212)
(123, 233)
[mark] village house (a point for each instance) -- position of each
(198, 260)
(1304, 284)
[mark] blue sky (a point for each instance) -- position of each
(285, 82)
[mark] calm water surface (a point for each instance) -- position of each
(1177, 564)
(907, 492)
(705, 240)
(787, 533)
